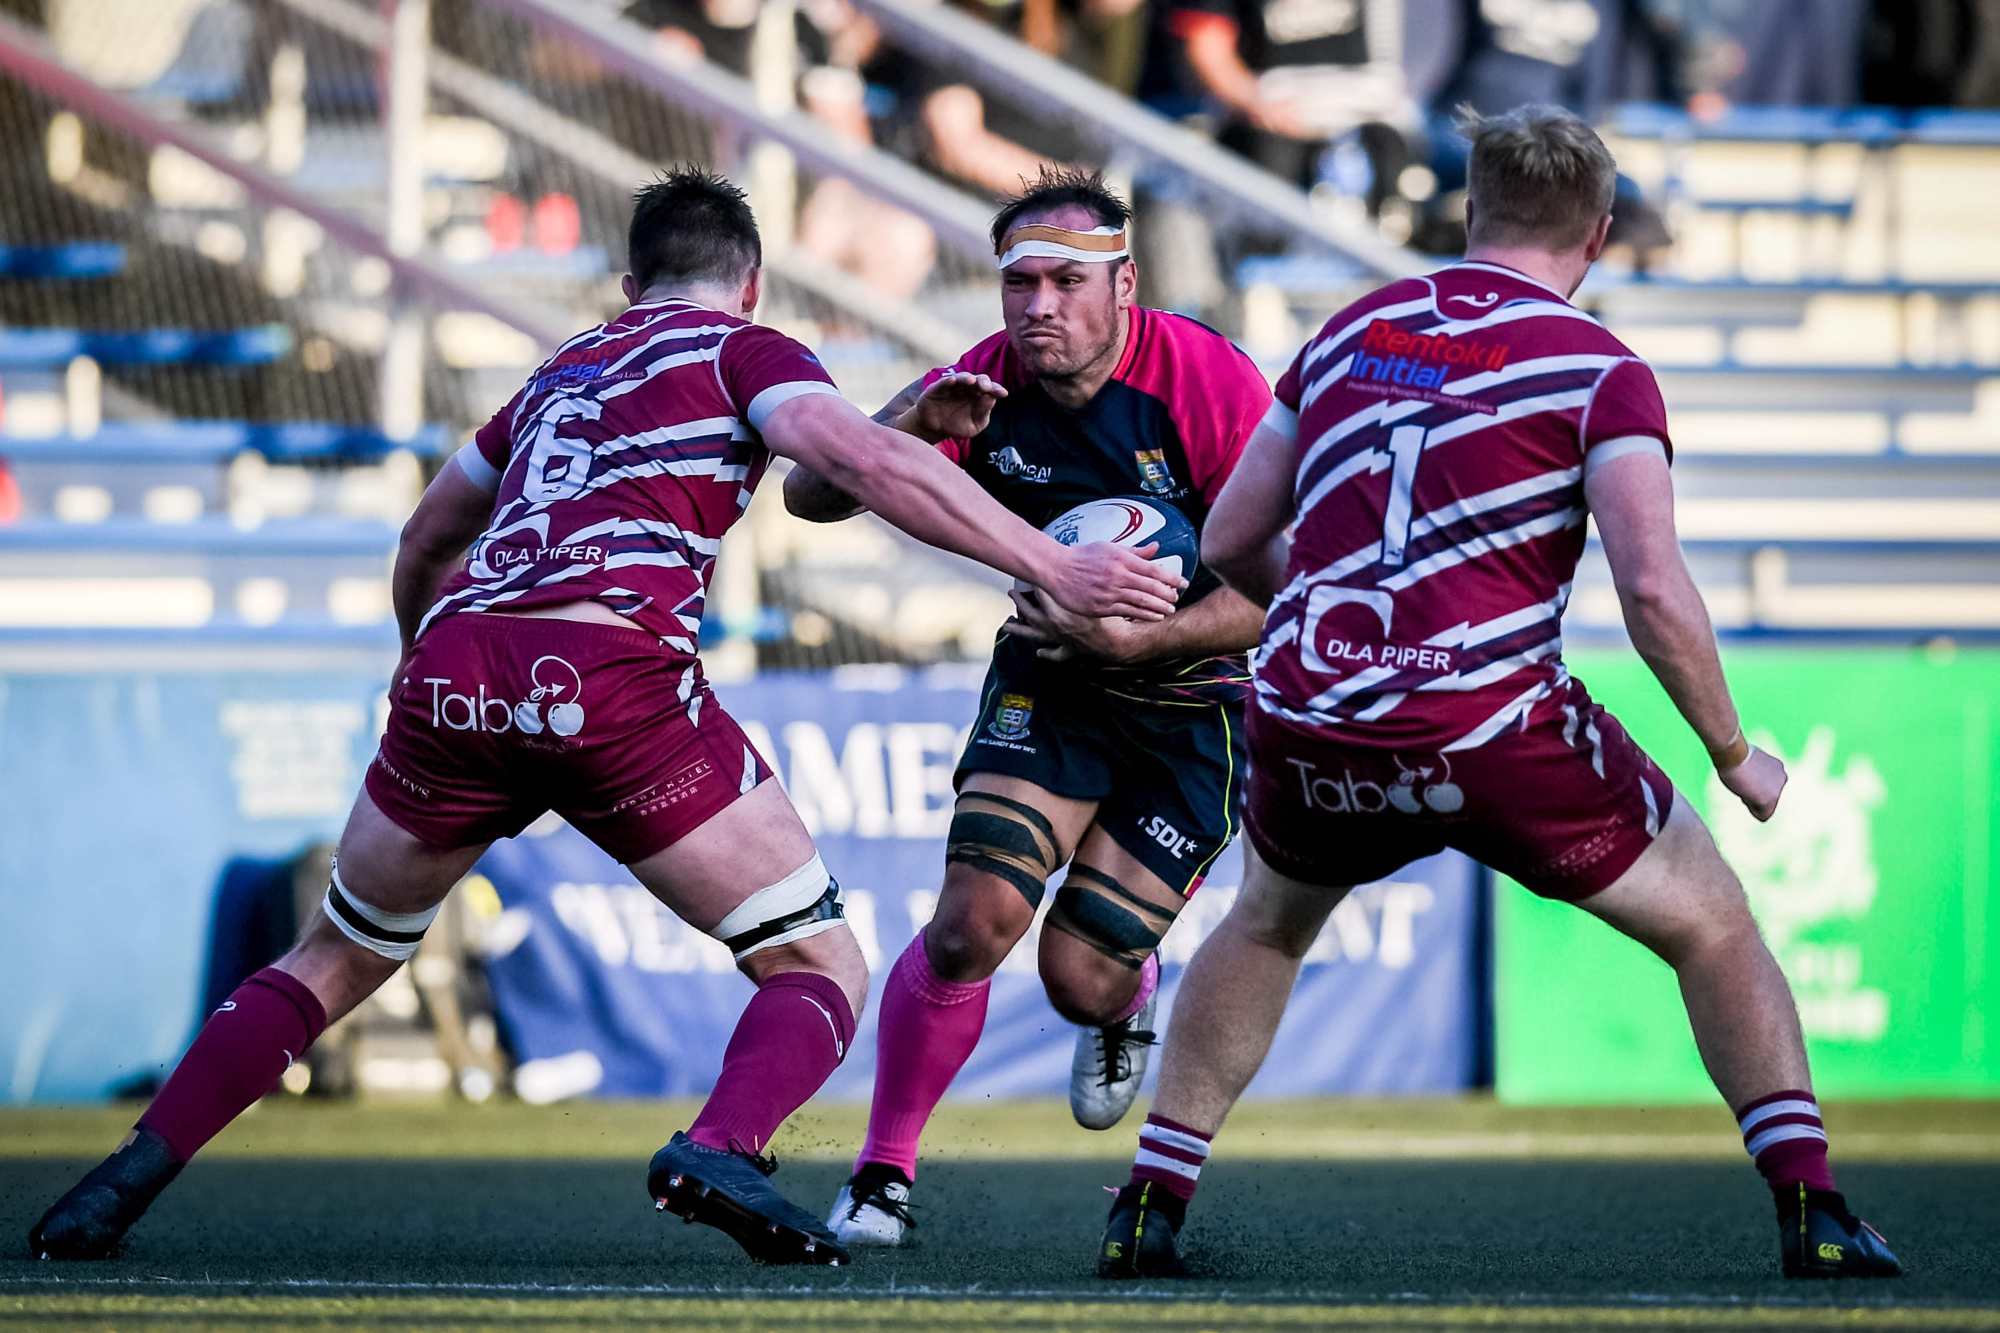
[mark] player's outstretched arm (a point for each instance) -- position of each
(919, 490)
(956, 406)
(454, 510)
(1244, 539)
(1632, 498)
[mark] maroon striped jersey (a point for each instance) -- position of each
(1443, 426)
(622, 461)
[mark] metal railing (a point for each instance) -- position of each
(1228, 185)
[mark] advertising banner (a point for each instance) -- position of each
(126, 794)
(1874, 886)
(129, 790)
(602, 991)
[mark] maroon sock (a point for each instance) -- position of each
(1170, 1156)
(1786, 1139)
(791, 1038)
(239, 1055)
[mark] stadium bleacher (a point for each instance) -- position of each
(1837, 412)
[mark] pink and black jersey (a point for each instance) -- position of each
(1444, 427)
(1169, 424)
(621, 463)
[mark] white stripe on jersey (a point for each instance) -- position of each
(1387, 412)
(1510, 314)
(1485, 544)
(680, 430)
(1467, 635)
(660, 367)
(1472, 422)
(1309, 394)
(1359, 324)
(777, 395)
(1516, 707)
(476, 469)
(1499, 670)
(717, 468)
(1494, 499)
(643, 527)
(1281, 421)
(1611, 450)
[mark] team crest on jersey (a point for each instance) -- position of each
(1011, 718)
(1154, 478)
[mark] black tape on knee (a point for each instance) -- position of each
(1017, 846)
(828, 907)
(1083, 909)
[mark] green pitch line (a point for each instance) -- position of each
(1110, 1315)
(1333, 1130)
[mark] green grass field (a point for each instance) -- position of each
(1453, 1214)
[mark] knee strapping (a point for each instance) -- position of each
(1006, 838)
(802, 904)
(393, 935)
(1097, 909)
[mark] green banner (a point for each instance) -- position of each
(1874, 885)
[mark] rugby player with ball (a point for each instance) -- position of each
(1108, 745)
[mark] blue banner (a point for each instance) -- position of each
(603, 992)
(127, 791)
(123, 795)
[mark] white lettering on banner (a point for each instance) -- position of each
(890, 780)
(625, 926)
(1377, 923)
(294, 758)
(1812, 872)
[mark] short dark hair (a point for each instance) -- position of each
(1056, 186)
(692, 226)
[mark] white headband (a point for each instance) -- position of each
(1099, 245)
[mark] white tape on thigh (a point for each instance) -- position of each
(795, 893)
(394, 935)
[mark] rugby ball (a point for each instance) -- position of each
(1131, 521)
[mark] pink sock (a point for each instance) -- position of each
(1149, 981)
(1785, 1138)
(239, 1055)
(791, 1038)
(924, 1037)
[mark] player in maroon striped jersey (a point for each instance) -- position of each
(1412, 511)
(557, 668)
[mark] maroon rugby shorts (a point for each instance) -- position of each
(1564, 805)
(498, 719)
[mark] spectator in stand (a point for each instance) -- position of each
(937, 118)
(1915, 52)
(1804, 53)
(1287, 76)
(1980, 86)
(887, 248)
(1584, 55)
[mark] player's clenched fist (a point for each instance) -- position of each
(1758, 782)
(957, 406)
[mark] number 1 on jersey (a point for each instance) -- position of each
(1406, 447)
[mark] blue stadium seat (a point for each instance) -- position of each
(50, 349)
(78, 259)
(1760, 124)
(216, 538)
(219, 441)
(1811, 206)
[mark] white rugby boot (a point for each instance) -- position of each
(872, 1208)
(1110, 1062)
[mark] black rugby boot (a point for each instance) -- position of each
(1818, 1237)
(728, 1189)
(91, 1220)
(1139, 1235)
